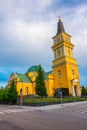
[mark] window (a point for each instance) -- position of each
(72, 72)
(61, 51)
(56, 54)
(58, 51)
(59, 73)
(71, 53)
(54, 41)
(26, 90)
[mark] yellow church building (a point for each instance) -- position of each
(64, 72)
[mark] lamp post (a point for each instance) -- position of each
(60, 91)
(21, 96)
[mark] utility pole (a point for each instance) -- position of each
(21, 96)
(60, 93)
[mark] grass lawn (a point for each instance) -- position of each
(55, 100)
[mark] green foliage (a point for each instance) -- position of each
(84, 90)
(12, 92)
(8, 94)
(1, 93)
(4, 93)
(40, 84)
(53, 100)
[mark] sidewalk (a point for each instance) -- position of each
(50, 107)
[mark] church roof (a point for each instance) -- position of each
(33, 68)
(23, 77)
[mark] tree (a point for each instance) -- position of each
(40, 84)
(4, 95)
(13, 94)
(84, 90)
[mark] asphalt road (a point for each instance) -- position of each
(62, 118)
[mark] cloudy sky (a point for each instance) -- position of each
(27, 28)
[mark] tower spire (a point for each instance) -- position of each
(60, 27)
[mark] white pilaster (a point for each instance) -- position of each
(73, 91)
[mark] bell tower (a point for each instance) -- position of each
(65, 67)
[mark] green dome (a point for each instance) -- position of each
(33, 68)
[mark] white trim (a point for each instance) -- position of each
(73, 91)
(75, 80)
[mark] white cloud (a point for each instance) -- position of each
(2, 70)
(77, 28)
(35, 35)
(26, 9)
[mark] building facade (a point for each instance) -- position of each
(64, 74)
(26, 82)
(65, 67)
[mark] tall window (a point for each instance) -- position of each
(26, 90)
(59, 73)
(54, 41)
(73, 72)
(61, 51)
(71, 52)
(56, 54)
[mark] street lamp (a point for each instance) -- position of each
(21, 96)
(60, 89)
(60, 93)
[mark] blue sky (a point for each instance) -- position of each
(27, 28)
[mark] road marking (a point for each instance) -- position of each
(11, 110)
(83, 111)
(1, 112)
(8, 111)
(79, 111)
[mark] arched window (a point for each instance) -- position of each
(59, 73)
(26, 90)
(73, 72)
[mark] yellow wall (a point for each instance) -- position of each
(31, 86)
(65, 62)
(49, 85)
(23, 86)
(60, 81)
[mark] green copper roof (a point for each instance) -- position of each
(46, 74)
(33, 68)
(23, 77)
